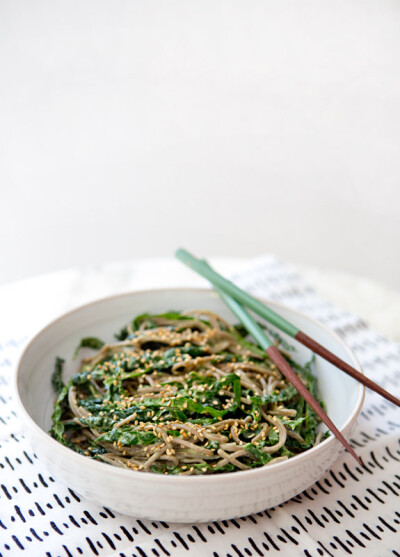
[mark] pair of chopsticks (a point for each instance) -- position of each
(235, 298)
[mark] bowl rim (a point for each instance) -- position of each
(162, 479)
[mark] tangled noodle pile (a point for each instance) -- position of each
(182, 393)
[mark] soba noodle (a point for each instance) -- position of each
(182, 393)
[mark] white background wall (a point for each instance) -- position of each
(128, 128)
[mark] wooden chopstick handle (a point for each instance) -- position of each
(336, 361)
(290, 375)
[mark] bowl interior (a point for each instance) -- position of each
(340, 392)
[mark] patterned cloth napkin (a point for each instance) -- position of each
(349, 511)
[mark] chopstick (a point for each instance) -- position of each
(263, 341)
(255, 305)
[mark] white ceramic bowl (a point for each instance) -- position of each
(174, 498)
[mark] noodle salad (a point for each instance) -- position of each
(183, 393)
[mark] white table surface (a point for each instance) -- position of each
(39, 299)
(29, 304)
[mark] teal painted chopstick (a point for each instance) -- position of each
(246, 320)
(263, 341)
(255, 305)
(229, 288)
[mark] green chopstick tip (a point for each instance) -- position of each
(183, 254)
(204, 269)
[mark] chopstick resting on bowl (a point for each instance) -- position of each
(255, 305)
(263, 341)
